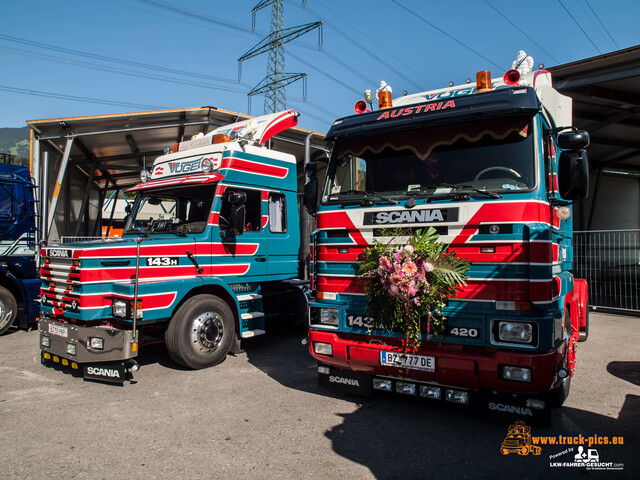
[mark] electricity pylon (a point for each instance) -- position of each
(273, 85)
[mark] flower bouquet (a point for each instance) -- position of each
(410, 284)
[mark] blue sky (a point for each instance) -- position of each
(89, 57)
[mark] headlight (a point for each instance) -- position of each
(518, 332)
(119, 308)
(46, 342)
(329, 316)
(96, 343)
(71, 348)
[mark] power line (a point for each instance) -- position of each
(521, 31)
(77, 98)
(602, 24)
(579, 26)
(445, 33)
(121, 61)
(124, 71)
(368, 51)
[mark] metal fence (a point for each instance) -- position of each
(610, 262)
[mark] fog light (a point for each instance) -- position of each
(56, 359)
(323, 370)
(428, 391)
(321, 348)
(74, 365)
(535, 403)
(519, 332)
(406, 388)
(96, 343)
(47, 356)
(71, 348)
(46, 342)
(516, 374)
(457, 396)
(383, 384)
(65, 362)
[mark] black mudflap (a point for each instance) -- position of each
(346, 381)
(112, 372)
(514, 407)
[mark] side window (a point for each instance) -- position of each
(253, 207)
(277, 213)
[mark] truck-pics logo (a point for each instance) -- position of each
(518, 441)
(411, 216)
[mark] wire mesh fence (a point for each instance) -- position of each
(610, 262)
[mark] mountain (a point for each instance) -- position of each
(15, 141)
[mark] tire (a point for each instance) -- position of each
(559, 394)
(8, 309)
(201, 332)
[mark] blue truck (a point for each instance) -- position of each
(209, 253)
(19, 276)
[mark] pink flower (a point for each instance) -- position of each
(408, 249)
(384, 263)
(398, 256)
(393, 290)
(395, 279)
(409, 268)
(428, 267)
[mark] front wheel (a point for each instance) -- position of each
(8, 309)
(201, 332)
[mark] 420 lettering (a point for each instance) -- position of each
(463, 332)
(162, 261)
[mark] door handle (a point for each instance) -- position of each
(260, 259)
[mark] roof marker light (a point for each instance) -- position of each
(483, 81)
(384, 95)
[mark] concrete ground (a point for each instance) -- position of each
(261, 415)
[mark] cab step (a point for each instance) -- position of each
(248, 297)
(252, 333)
(250, 315)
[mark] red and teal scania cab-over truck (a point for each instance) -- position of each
(209, 251)
(494, 167)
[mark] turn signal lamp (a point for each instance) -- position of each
(221, 138)
(483, 81)
(512, 77)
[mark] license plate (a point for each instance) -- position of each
(58, 330)
(404, 360)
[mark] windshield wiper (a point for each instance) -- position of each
(453, 194)
(478, 191)
(366, 201)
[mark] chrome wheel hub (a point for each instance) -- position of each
(207, 331)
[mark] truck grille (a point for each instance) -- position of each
(59, 276)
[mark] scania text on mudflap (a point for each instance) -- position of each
(493, 166)
(209, 250)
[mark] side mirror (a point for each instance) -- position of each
(573, 175)
(237, 220)
(573, 140)
(310, 195)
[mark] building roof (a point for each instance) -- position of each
(118, 146)
(606, 102)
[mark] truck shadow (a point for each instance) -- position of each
(405, 438)
(399, 437)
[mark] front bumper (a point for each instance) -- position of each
(455, 366)
(118, 345)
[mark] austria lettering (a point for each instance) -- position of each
(429, 107)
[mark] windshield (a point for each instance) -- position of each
(180, 210)
(493, 156)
